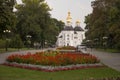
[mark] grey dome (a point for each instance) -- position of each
(78, 28)
(68, 28)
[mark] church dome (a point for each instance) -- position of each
(78, 28)
(68, 28)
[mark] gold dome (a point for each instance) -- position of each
(68, 19)
(78, 23)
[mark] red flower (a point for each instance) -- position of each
(42, 58)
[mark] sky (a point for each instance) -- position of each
(78, 9)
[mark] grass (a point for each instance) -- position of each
(110, 50)
(113, 50)
(2, 50)
(10, 73)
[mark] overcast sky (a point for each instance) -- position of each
(78, 8)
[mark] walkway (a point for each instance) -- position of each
(110, 59)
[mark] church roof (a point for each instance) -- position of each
(78, 28)
(68, 28)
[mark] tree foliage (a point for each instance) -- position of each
(31, 18)
(7, 16)
(16, 42)
(34, 19)
(104, 21)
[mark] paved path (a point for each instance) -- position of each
(110, 59)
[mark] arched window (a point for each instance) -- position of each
(68, 35)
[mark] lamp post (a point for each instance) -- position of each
(89, 42)
(96, 42)
(6, 36)
(105, 42)
(28, 40)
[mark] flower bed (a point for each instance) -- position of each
(66, 48)
(53, 58)
(53, 61)
(53, 68)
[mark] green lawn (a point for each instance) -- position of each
(9, 73)
(2, 50)
(109, 50)
(113, 50)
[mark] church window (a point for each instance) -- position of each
(75, 37)
(75, 32)
(68, 35)
(67, 38)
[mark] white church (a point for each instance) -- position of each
(71, 36)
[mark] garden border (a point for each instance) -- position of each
(53, 68)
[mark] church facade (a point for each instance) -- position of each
(70, 36)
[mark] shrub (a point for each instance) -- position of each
(66, 48)
(2, 43)
(16, 42)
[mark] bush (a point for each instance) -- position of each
(117, 46)
(16, 42)
(66, 48)
(2, 43)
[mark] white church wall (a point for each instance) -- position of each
(70, 39)
(68, 36)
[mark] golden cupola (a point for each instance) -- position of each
(68, 19)
(78, 23)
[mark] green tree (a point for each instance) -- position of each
(104, 21)
(2, 43)
(33, 18)
(16, 42)
(7, 16)
(59, 24)
(53, 30)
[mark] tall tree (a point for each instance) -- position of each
(59, 24)
(104, 21)
(53, 30)
(32, 17)
(7, 16)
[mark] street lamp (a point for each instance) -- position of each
(105, 37)
(28, 36)
(105, 42)
(96, 42)
(28, 40)
(89, 42)
(6, 31)
(6, 36)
